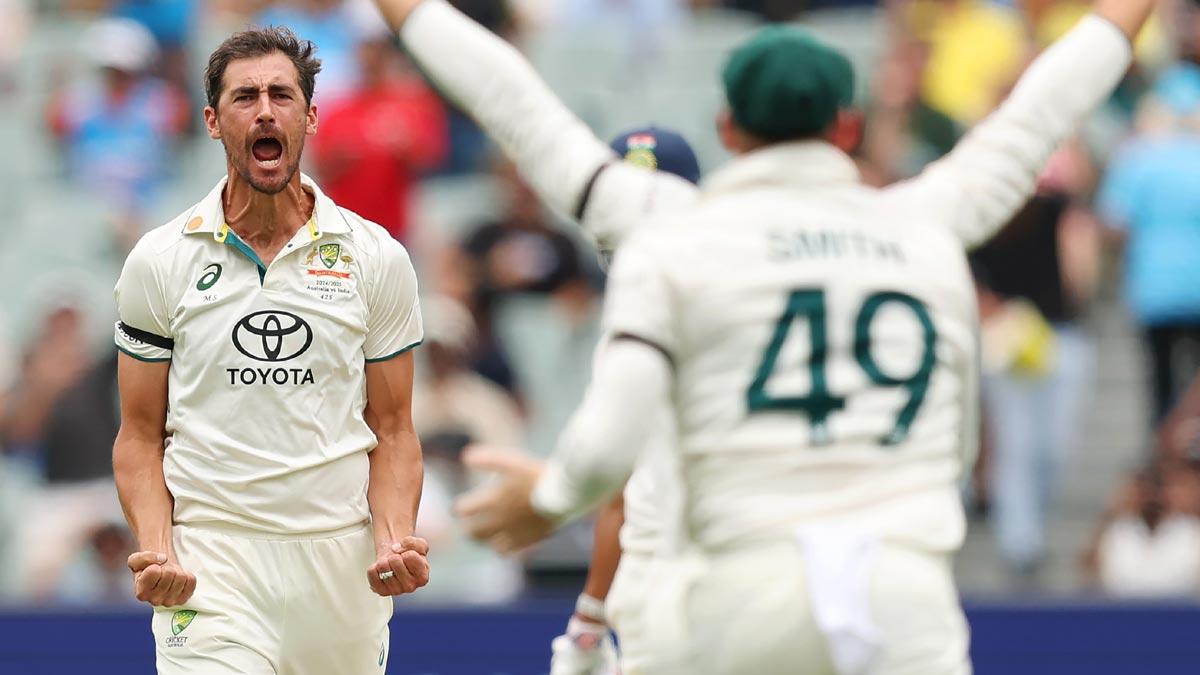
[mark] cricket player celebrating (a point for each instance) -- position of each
(611, 190)
(815, 340)
(266, 460)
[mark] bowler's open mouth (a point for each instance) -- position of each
(268, 152)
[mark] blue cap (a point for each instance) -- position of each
(660, 150)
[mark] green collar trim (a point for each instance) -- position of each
(230, 238)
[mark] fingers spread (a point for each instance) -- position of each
(477, 501)
(491, 458)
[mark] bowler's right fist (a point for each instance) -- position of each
(159, 581)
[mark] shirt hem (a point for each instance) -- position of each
(395, 354)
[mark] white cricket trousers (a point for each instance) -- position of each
(760, 610)
(274, 605)
(624, 608)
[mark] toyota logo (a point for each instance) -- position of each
(272, 335)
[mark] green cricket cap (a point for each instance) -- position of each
(784, 83)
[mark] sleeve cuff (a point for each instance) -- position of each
(553, 496)
(141, 345)
(388, 357)
(1104, 24)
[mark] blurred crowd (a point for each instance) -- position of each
(100, 101)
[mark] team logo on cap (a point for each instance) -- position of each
(641, 151)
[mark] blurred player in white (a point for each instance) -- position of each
(611, 190)
(816, 340)
(629, 529)
(266, 459)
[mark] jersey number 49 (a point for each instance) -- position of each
(819, 402)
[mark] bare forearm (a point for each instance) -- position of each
(394, 493)
(396, 12)
(606, 549)
(1128, 15)
(148, 504)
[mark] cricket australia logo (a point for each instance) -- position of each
(335, 260)
(329, 254)
(181, 620)
(179, 623)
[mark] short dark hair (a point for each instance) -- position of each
(257, 42)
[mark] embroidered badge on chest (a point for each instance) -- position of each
(328, 271)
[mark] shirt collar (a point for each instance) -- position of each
(209, 215)
(794, 164)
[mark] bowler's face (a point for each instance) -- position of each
(262, 120)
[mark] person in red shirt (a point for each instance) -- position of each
(375, 142)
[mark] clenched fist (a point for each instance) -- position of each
(400, 568)
(160, 581)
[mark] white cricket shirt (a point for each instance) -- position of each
(265, 425)
(822, 332)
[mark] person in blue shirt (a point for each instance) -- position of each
(1151, 196)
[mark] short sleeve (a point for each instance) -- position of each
(624, 197)
(393, 312)
(639, 303)
(143, 330)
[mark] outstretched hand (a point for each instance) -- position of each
(500, 514)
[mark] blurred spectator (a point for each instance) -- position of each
(450, 399)
(172, 23)
(81, 428)
(15, 21)
(61, 424)
(904, 132)
(1151, 198)
(329, 25)
(119, 130)
(375, 142)
(1035, 277)
(9, 492)
(99, 573)
(518, 254)
(453, 407)
(976, 47)
(1179, 435)
(1148, 545)
(57, 360)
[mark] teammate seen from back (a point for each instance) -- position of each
(815, 340)
(611, 190)
(266, 459)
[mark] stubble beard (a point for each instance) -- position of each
(243, 170)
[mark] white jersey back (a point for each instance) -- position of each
(823, 341)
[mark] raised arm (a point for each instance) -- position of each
(555, 151)
(993, 171)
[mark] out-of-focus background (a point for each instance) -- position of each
(1087, 488)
